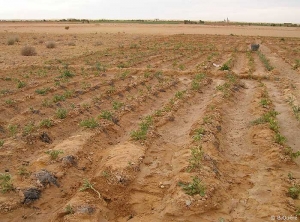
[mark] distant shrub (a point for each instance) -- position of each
(28, 51)
(67, 27)
(71, 44)
(11, 41)
(50, 44)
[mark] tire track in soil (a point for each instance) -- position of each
(255, 184)
(157, 167)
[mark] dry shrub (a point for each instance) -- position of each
(67, 27)
(50, 45)
(12, 40)
(28, 51)
(71, 44)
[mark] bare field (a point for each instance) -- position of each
(114, 126)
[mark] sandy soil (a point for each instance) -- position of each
(153, 129)
(58, 28)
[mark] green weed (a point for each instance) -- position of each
(194, 187)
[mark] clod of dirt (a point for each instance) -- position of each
(69, 161)
(45, 178)
(31, 195)
(44, 137)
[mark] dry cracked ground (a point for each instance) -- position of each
(120, 127)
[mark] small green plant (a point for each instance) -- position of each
(58, 98)
(198, 134)
(42, 91)
(47, 103)
(181, 67)
(207, 120)
(89, 123)
(195, 85)
(54, 153)
(20, 84)
(117, 105)
(297, 64)
(141, 133)
(9, 102)
(224, 67)
(265, 61)
(28, 128)
(61, 113)
(68, 93)
(294, 191)
(289, 151)
(194, 187)
(88, 185)
(265, 102)
(22, 171)
(279, 139)
(179, 94)
(46, 123)
(266, 118)
(196, 158)
(66, 74)
(105, 114)
(69, 209)
(5, 182)
(12, 129)
(1, 143)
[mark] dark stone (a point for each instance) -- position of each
(69, 161)
(46, 178)
(31, 195)
(44, 137)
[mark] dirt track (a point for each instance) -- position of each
(161, 115)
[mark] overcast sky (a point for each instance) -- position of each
(209, 10)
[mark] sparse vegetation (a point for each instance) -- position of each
(1, 143)
(105, 114)
(265, 61)
(42, 91)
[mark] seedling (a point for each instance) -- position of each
(89, 123)
(58, 98)
(88, 185)
(28, 128)
(1, 143)
(196, 158)
(179, 94)
(43, 91)
(289, 151)
(20, 84)
(5, 182)
(61, 113)
(193, 188)
(279, 139)
(265, 61)
(198, 134)
(12, 130)
(54, 153)
(22, 171)
(69, 209)
(294, 191)
(46, 123)
(117, 105)
(106, 115)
